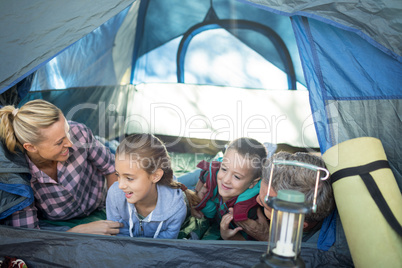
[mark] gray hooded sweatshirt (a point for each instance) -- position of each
(163, 222)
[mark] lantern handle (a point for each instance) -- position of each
(299, 164)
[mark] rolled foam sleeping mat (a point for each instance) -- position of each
(372, 240)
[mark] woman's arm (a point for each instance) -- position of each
(110, 179)
(200, 190)
(104, 227)
(111, 226)
(26, 217)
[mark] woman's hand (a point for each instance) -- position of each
(226, 232)
(104, 227)
(196, 213)
(200, 190)
(258, 229)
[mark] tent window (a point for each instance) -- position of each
(231, 63)
(227, 52)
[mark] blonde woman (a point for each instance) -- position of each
(67, 164)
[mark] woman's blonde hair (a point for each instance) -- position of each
(23, 125)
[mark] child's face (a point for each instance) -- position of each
(137, 185)
(235, 175)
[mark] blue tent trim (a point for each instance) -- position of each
(327, 236)
(330, 22)
(20, 190)
(138, 36)
(359, 80)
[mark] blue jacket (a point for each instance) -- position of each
(15, 189)
(163, 222)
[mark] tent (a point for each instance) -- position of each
(168, 66)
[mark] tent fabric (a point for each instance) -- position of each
(40, 248)
(345, 91)
(32, 33)
(375, 21)
(190, 13)
(78, 67)
(15, 189)
(141, 47)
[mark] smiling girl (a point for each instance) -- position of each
(229, 186)
(146, 199)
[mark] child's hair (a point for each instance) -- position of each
(23, 125)
(150, 152)
(302, 180)
(252, 150)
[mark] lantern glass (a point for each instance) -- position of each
(286, 231)
(288, 209)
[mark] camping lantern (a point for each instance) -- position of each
(286, 227)
(286, 230)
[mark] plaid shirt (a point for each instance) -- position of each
(81, 186)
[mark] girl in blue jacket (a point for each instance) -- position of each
(146, 199)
